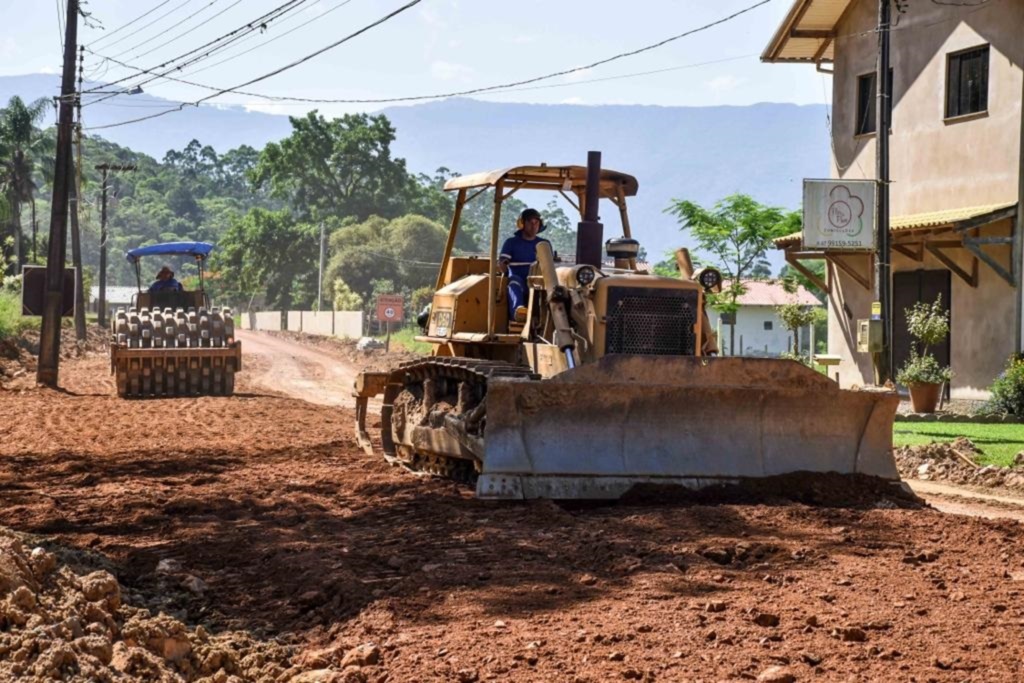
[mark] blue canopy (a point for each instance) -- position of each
(202, 249)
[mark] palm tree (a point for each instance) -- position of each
(19, 141)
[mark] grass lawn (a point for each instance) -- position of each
(404, 339)
(999, 442)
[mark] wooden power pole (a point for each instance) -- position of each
(101, 314)
(49, 341)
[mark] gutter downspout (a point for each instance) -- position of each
(1018, 228)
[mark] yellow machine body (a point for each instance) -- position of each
(611, 380)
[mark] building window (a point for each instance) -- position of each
(867, 91)
(768, 325)
(967, 82)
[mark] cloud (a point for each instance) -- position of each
(278, 108)
(725, 83)
(572, 100)
(49, 70)
(523, 39)
(449, 71)
(431, 18)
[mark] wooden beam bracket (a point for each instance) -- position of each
(973, 245)
(793, 259)
(970, 278)
(863, 280)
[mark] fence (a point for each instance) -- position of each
(324, 323)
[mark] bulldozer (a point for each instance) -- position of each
(613, 378)
(172, 342)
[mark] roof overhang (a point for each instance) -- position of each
(955, 219)
(553, 178)
(807, 34)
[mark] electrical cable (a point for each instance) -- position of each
(217, 44)
(60, 25)
(177, 37)
(143, 28)
(302, 60)
(266, 42)
(126, 25)
(505, 86)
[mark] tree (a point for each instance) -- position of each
(344, 298)
(795, 316)
(268, 252)
(734, 235)
(339, 167)
(20, 140)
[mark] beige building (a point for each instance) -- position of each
(956, 162)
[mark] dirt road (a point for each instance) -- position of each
(297, 370)
(301, 539)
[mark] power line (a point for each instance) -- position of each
(174, 26)
(126, 25)
(282, 69)
(216, 44)
(616, 77)
(266, 42)
(60, 25)
(143, 28)
(473, 91)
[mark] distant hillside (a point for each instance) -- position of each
(699, 153)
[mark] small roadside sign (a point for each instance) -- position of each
(389, 308)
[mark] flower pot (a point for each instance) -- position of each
(924, 396)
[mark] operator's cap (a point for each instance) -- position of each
(526, 215)
(165, 269)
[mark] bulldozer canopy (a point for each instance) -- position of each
(552, 178)
(200, 249)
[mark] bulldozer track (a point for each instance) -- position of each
(455, 390)
(166, 353)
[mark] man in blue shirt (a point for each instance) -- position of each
(165, 281)
(517, 255)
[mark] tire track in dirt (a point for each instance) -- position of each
(284, 367)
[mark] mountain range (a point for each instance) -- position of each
(697, 153)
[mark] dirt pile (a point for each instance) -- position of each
(955, 462)
(61, 625)
(18, 355)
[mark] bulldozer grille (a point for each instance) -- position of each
(650, 321)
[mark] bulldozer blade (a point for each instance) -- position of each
(596, 431)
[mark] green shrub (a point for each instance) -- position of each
(10, 314)
(1008, 389)
(922, 370)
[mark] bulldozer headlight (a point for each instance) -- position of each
(585, 275)
(709, 278)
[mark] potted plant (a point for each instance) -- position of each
(928, 324)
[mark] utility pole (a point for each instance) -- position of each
(320, 278)
(49, 339)
(101, 314)
(883, 111)
(75, 209)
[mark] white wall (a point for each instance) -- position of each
(268, 320)
(750, 322)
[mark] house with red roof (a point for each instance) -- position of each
(759, 330)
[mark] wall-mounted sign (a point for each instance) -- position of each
(839, 215)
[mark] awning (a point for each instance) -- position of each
(948, 218)
(807, 33)
(554, 178)
(200, 249)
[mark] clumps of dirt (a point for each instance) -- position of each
(369, 359)
(57, 624)
(19, 355)
(821, 489)
(956, 462)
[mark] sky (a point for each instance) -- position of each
(437, 46)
